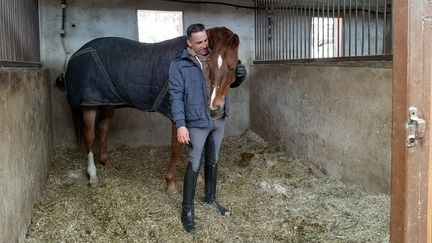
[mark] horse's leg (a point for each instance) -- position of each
(89, 115)
(175, 154)
(105, 117)
(77, 116)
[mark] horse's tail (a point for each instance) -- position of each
(78, 122)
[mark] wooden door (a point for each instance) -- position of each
(411, 202)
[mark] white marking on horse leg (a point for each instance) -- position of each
(220, 61)
(213, 96)
(91, 169)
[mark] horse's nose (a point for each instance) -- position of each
(215, 108)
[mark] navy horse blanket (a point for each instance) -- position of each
(123, 73)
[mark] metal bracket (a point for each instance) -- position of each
(416, 127)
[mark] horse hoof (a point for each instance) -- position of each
(106, 162)
(93, 181)
(171, 189)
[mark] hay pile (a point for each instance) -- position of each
(272, 198)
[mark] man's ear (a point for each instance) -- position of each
(189, 43)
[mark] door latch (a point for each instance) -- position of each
(416, 127)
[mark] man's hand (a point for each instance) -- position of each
(183, 135)
(240, 75)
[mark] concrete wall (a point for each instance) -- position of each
(337, 117)
(25, 146)
(99, 18)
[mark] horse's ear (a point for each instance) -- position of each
(234, 41)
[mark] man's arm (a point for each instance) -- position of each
(176, 90)
(240, 75)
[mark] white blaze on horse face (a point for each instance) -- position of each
(220, 61)
(213, 96)
(91, 169)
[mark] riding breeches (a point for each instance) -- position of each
(208, 139)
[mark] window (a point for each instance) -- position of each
(327, 35)
(157, 26)
(310, 29)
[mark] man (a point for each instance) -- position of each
(195, 125)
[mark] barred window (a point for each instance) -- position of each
(19, 32)
(310, 29)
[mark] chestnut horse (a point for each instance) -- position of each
(112, 72)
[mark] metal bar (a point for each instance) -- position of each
(316, 32)
(323, 27)
(296, 47)
(318, 28)
(309, 30)
(355, 28)
(384, 27)
(301, 31)
(268, 31)
(328, 28)
(350, 21)
(376, 28)
(2, 28)
(344, 32)
(341, 60)
(338, 31)
(275, 53)
(263, 29)
(305, 27)
(256, 29)
(280, 30)
(333, 28)
(292, 31)
(280, 24)
(369, 21)
(260, 28)
(363, 27)
(312, 38)
(286, 41)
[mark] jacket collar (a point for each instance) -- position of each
(183, 53)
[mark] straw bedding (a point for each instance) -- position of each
(273, 198)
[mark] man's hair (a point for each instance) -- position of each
(194, 28)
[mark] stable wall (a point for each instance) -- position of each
(25, 146)
(337, 117)
(99, 18)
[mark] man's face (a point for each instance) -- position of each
(199, 42)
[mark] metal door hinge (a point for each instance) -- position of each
(416, 127)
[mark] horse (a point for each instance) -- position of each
(113, 72)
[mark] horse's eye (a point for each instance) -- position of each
(230, 69)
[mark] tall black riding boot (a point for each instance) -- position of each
(188, 209)
(210, 176)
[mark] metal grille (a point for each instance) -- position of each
(311, 29)
(19, 32)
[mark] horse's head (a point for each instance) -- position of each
(223, 61)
